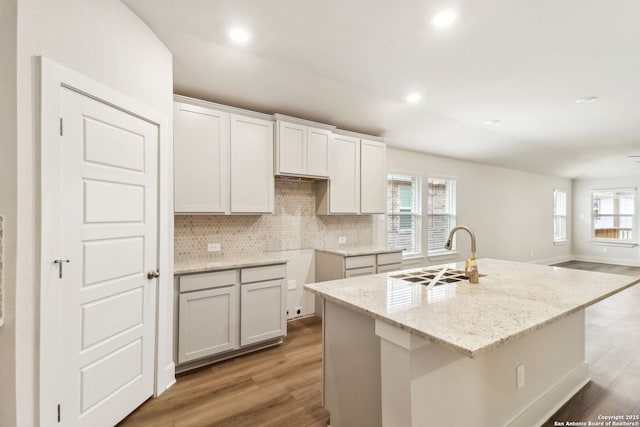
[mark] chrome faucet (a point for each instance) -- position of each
(470, 265)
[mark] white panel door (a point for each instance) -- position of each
(208, 323)
(108, 181)
(318, 151)
(252, 182)
(373, 177)
(292, 148)
(344, 172)
(263, 311)
(201, 159)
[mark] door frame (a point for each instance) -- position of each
(52, 78)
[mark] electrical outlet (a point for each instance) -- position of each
(291, 285)
(298, 311)
(520, 376)
(342, 240)
(605, 250)
(214, 247)
(531, 253)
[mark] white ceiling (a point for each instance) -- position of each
(350, 63)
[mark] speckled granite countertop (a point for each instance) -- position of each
(358, 250)
(510, 301)
(225, 263)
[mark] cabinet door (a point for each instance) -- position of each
(373, 177)
(264, 311)
(291, 149)
(208, 323)
(200, 152)
(318, 152)
(252, 183)
(344, 173)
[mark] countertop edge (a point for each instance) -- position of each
(227, 266)
(471, 353)
(357, 252)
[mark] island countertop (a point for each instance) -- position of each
(510, 301)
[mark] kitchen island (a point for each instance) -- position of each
(506, 351)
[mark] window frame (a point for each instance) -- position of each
(564, 238)
(615, 216)
(453, 201)
(418, 202)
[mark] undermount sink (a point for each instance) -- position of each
(426, 276)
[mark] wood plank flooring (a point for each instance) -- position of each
(281, 386)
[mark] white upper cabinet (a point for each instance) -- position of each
(341, 194)
(223, 161)
(318, 152)
(301, 150)
(252, 182)
(201, 159)
(373, 180)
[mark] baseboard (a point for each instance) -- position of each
(557, 395)
(170, 374)
(607, 260)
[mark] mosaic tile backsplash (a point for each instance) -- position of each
(294, 225)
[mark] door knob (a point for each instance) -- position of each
(153, 274)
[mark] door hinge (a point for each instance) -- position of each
(61, 127)
(58, 413)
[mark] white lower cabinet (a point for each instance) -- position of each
(225, 313)
(264, 311)
(208, 323)
(336, 265)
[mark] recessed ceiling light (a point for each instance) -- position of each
(586, 100)
(239, 35)
(413, 98)
(444, 18)
(492, 122)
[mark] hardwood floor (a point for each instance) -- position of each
(281, 386)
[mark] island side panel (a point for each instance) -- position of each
(446, 388)
(351, 365)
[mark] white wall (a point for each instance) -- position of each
(105, 41)
(510, 211)
(8, 203)
(583, 249)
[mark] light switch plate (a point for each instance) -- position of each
(342, 240)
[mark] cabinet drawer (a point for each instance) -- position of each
(359, 261)
(389, 267)
(259, 274)
(390, 258)
(211, 280)
(364, 271)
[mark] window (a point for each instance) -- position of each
(404, 213)
(613, 214)
(441, 213)
(559, 216)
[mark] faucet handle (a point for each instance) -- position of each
(471, 270)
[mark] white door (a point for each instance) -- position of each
(344, 170)
(108, 229)
(200, 159)
(252, 182)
